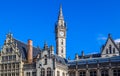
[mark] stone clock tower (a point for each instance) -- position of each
(60, 31)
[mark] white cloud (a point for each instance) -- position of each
(117, 40)
(101, 38)
(93, 53)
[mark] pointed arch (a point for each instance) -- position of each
(49, 72)
(42, 72)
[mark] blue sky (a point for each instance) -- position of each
(88, 22)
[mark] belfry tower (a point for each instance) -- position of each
(60, 32)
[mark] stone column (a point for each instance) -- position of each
(76, 73)
(52, 73)
(98, 72)
(87, 73)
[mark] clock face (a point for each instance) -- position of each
(61, 33)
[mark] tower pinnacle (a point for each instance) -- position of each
(60, 17)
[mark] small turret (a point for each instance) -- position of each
(76, 57)
(82, 53)
(45, 46)
(51, 49)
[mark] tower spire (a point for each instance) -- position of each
(60, 17)
(60, 33)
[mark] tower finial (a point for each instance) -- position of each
(109, 35)
(60, 17)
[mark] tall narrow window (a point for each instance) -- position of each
(49, 72)
(13, 66)
(106, 51)
(58, 73)
(62, 42)
(110, 49)
(104, 73)
(61, 50)
(45, 59)
(42, 72)
(11, 49)
(114, 50)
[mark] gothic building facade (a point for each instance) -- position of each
(21, 59)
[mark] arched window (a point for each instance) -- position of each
(58, 73)
(104, 73)
(49, 72)
(63, 74)
(113, 50)
(42, 72)
(110, 49)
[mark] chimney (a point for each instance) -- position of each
(29, 51)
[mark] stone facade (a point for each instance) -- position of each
(20, 59)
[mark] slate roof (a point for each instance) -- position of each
(94, 60)
(23, 49)
(90, 56)
(60, 59)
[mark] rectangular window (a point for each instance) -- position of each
(10, 57)
(3, 58)
(93, 73)
(104, 73)
(33, 73)
(9, 66)
(17, 66)
(28, 74)
(72, 74)
(116, 72)
(5, 66)
(14, 57)
(82, 73)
